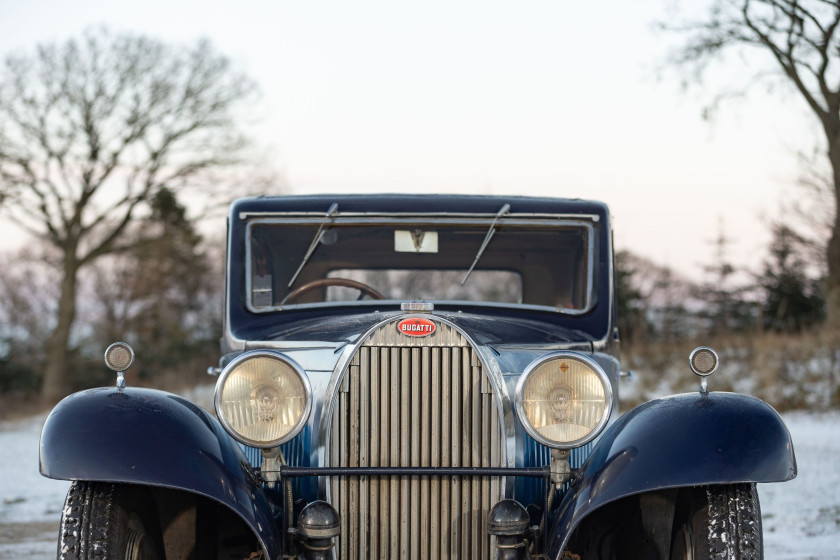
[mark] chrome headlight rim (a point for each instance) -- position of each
(231, 367)
(608, 396)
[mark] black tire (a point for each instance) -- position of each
(717, 523)
(108, 522)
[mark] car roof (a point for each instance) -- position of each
(417, 203)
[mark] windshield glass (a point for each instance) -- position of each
(303, 262)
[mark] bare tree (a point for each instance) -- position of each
(813, 206)
(92, 130)
(27, 296)
(800, 41)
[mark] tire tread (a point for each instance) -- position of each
(734, 523)
(87, 526)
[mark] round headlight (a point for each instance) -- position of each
(263, 399)
(564, 400)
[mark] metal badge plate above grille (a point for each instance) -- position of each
(416, 326)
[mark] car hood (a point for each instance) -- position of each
(487, 329)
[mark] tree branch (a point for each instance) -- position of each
(785, 61)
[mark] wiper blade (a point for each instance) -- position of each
(315, 242)
(490, 233)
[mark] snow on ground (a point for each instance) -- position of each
(25, 495)
(30, 505)
(801, 518)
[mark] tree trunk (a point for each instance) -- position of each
(832, 292)
(56, 383)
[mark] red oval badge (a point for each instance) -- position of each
(416, 327)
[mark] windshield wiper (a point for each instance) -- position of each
(490, 233)
(315, 242)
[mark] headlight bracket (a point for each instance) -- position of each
(561, 468)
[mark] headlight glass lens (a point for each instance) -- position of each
(263, 399)
(564, 401)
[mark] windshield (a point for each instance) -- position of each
(336, 261)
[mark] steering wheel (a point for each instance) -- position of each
(364, 289)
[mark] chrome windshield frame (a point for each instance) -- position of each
(584, 221)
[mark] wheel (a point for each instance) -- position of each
(717, 523)
(108, 522)
(364, 289)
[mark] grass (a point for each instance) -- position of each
(788, 371)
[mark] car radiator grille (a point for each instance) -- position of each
(414, 402)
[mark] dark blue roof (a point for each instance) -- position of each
(420, 203)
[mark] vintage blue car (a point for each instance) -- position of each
(415, 376)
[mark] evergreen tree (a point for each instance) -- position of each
(630, 302)
(163, 296)
(727, 309)
(792, 300)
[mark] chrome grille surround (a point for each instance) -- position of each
(403, 401)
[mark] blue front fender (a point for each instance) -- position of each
(684, 440)
(142, 436)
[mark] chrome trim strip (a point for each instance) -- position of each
(591, 258)
(291, 345)
(344, 220)
(379, 303)
(229, 343)
(530, 472)
(424, 216)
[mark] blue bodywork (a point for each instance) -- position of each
(143, 436)
(684, 440)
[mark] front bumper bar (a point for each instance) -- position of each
(532, 472)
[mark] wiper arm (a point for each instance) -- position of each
(490, 233)
(315, 242)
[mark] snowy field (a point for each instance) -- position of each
(801, 517)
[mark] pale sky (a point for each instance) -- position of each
(541, 98)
